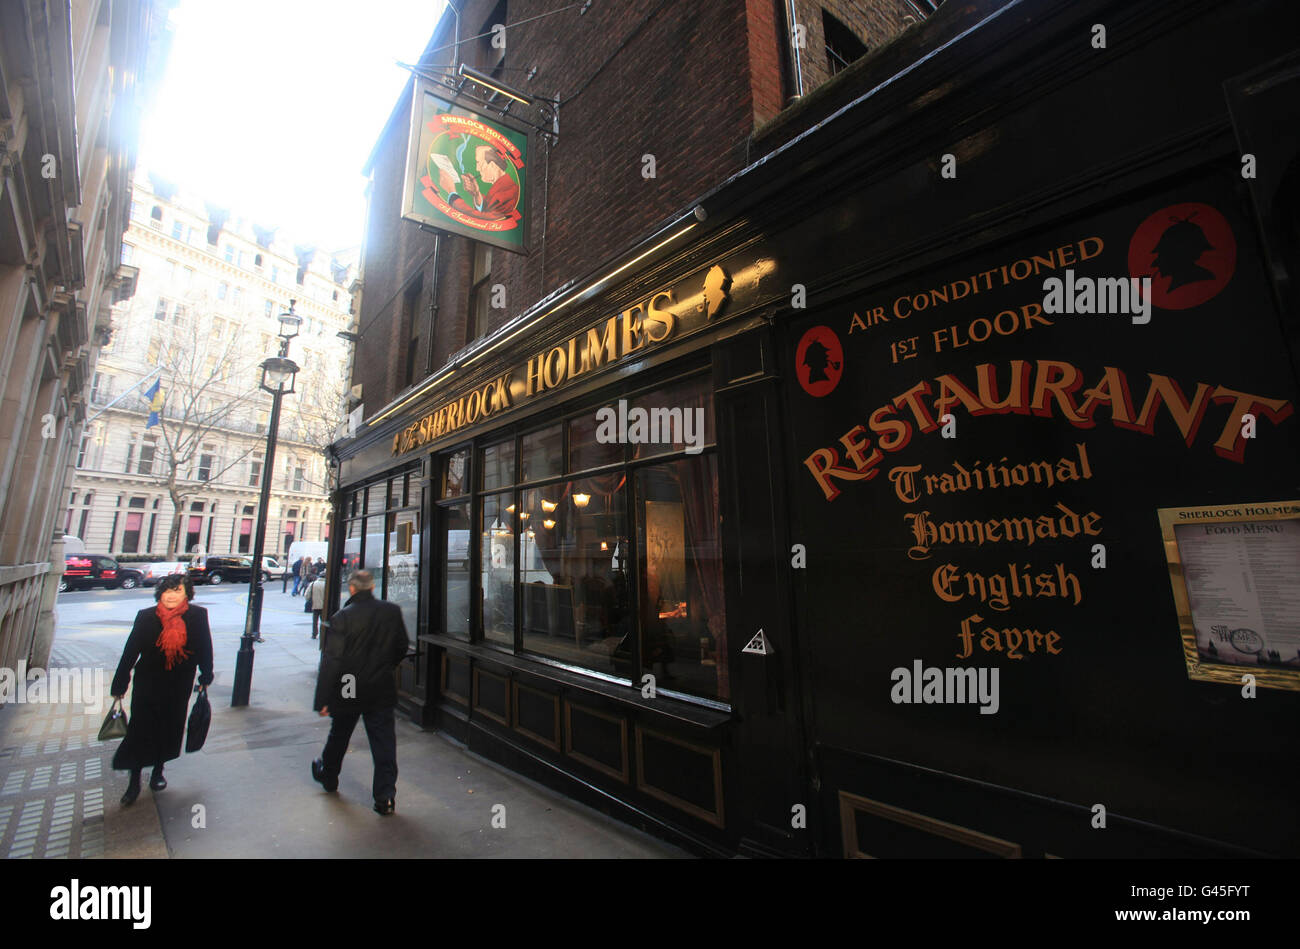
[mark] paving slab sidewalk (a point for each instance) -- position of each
(249, 792)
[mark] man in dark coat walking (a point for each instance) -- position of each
(297, 575)
(366, 641)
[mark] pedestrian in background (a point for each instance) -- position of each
(166, 645)
(316, 594)
(367, 639)
(297, 575)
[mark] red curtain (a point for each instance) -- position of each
(697, 479)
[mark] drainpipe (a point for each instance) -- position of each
(791, 20)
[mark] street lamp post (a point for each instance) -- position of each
(277, 371)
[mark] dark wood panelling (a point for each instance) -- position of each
(686, 775)
(492, 695)
(873, 829)
(537, 715)
(455, 680)
(597, 739)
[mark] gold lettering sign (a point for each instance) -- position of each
(642, 325)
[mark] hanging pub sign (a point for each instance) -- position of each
(466, 173)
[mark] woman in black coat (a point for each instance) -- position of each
(166, 643)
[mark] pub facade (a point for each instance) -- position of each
(880, 503)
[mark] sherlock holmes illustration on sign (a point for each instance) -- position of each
(983, 448)
(466, 173)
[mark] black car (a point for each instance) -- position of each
(221, 570)
(84, 571)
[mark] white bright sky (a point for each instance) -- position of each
(271, 107)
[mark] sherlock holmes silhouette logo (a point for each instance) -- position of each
(471, 173)
(1189, 253)
(819, 361)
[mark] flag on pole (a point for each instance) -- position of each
(154, 395)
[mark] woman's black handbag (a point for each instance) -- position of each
(114, 726)
(306, 606)
(196, 733)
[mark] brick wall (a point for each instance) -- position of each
(875, 22)
(683, 81)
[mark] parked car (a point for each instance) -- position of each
(156, 571)
(272, 569)
(84, 571)
(217, 570)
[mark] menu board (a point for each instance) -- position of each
(1236, 576)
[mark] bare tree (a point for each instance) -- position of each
(208, 384)
(317, 410)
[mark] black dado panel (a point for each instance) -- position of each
(685, 775)
(878, 837)
(537, 715)
(456, 679)
(492, 695)
(598, 739)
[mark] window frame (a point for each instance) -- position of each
(564, 414)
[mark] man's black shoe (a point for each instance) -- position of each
(318, 773)
(384, 808)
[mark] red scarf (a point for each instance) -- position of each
(174, 634)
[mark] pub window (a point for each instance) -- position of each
(298, 477)
(453, 545)
(156, 215)
(349, 556)
(160, 311)
(480, 295)
(619, 562)
(402, 557)
(541, 454)
(245, 532)
(148, 448)
(498, 526)
(599, 553)
(178, 230)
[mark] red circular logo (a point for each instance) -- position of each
(1189, 253)
(819, 361)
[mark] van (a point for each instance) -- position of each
(73, 545)
(315, 549)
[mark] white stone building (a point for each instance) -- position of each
(204, 316)
(74, 79)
